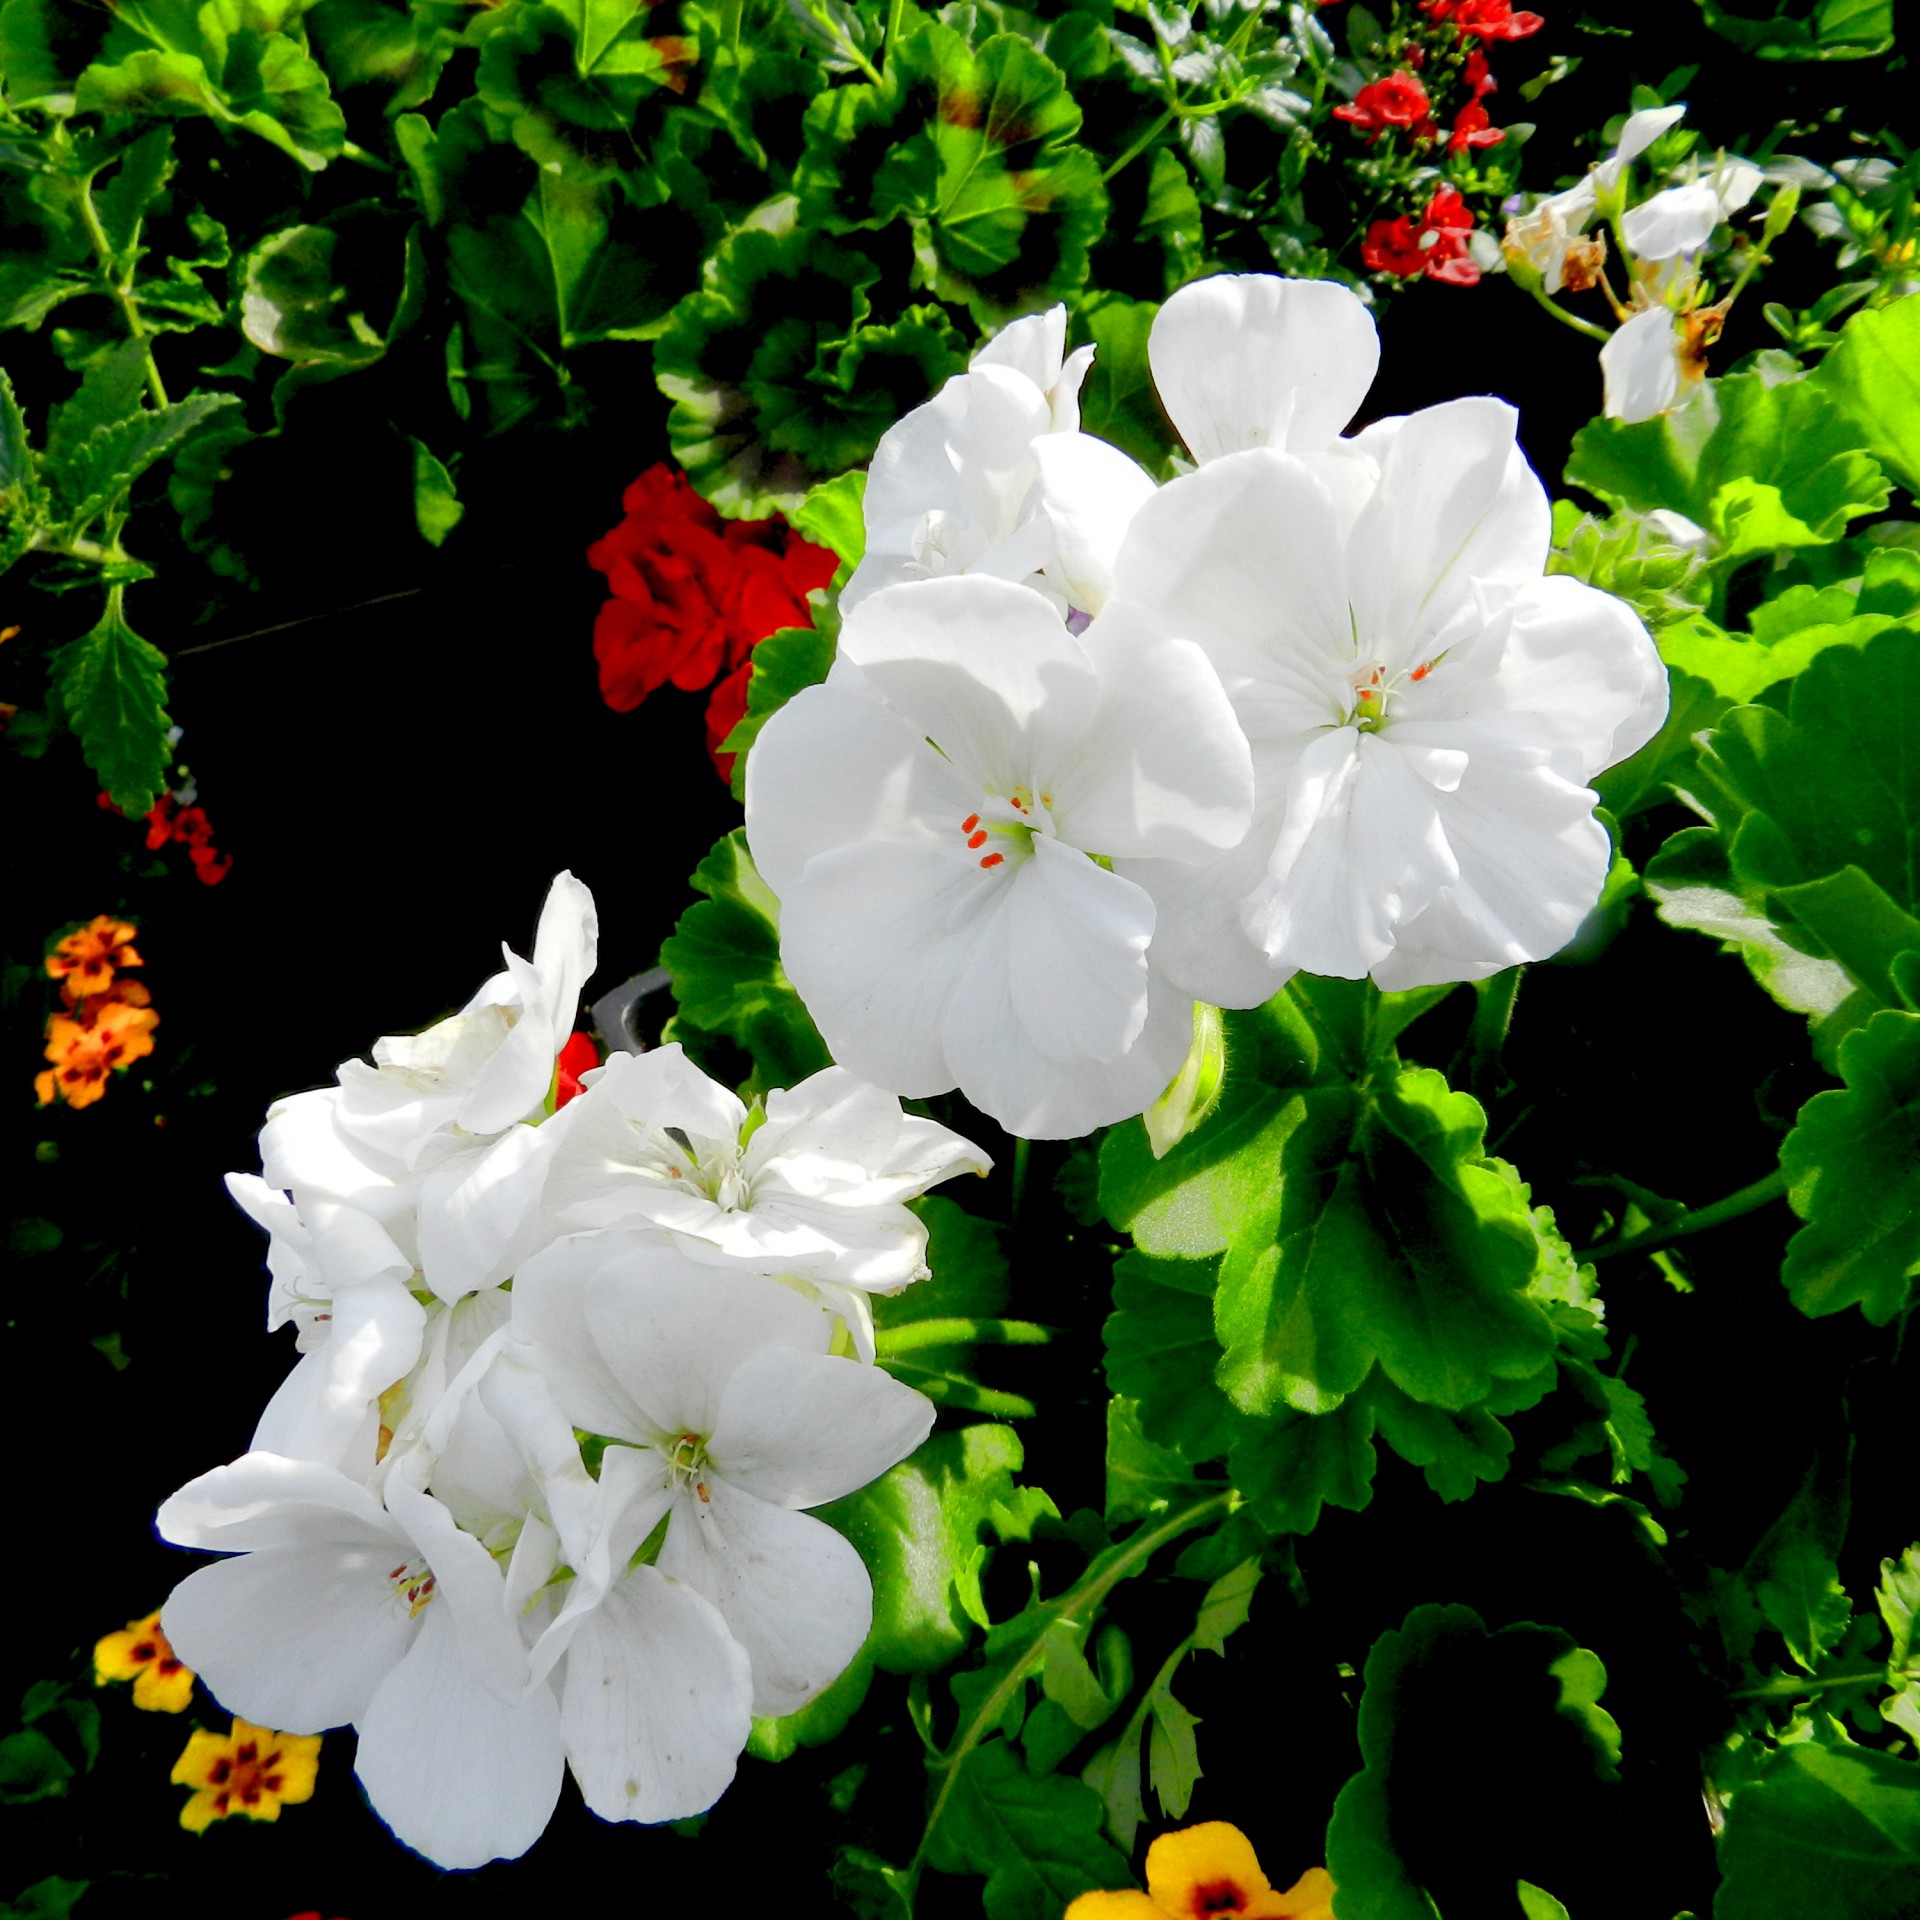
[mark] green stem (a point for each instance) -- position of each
(1492, 1020)
(1773, 1187)
(947, 1333)
(1082, 1599)
(1544, 299)
(1021, 1150)
(120, 291)
(894, 10)
(1140, 146)
(1793, 1689)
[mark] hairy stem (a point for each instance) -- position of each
(1747, 1200)
(119, 290)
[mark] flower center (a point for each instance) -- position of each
(1372, 689)
(687, 1465)
(413, 1582)
(243, 1776)
(1001, 833)
(713, 1168)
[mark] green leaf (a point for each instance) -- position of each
(1142, 1479)
(1419, 1679)
(724, 955)
(1289, 1467)
(1118, 400)
(111, 390)
(833, 516)
(919, 1530)
(1827, 1829)
(298, 299)
(1852, 1164)
(43, 45)
(971, 148)
(229, 60)
(783, 663)
(1834, 30)
(1739, 669)
(103, 466)
(1793, 1573)
(820, 1720)
(112, 683)
(1898, 1597)
(1538, 1904)
(1162, 1354)
(779, 375)
(437, 508)
(50, 1899)
(32, 1768)
(1874, 375)
(1759, 466)
(1038, 1841)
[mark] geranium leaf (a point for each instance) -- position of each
(724, 955)
(1874, 374)
(437, 507)
(1852, 1164)
(1290, 1466)
(783, 663)
(1142, 1478)
(112, 684)
(1831, 30)
(971, 147)
(1037, 1840)
(1833, 1826)
(1162, 1354)
(779, 378)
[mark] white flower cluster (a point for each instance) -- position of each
(1093, 750)
(534, 1495)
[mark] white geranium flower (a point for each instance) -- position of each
(432, 1138)
(731, 1416)
(937, 819)
(1546, 237)
(1640, 366)
(1680, 220)
(347, 1288)
(1249, 360)
(1424, 709)
(815, 1184)
(993, 476)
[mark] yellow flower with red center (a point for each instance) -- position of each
(252, 1771)
(140, 1653)
(1209, 1870)
(87, 961)
(108, 1031)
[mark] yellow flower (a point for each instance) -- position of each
(140, 1653)
(1207, 1870)
(251, 1770)
(88, 960)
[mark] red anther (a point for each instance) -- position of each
(992, 859)
(977, 839)
(969, 823)
(1420, 673)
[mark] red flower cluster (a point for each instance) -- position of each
(578, 1056)
(693, 596)
(1484, 19)
(1397, 101)
(1472, 129)
(168, 821)
(1436, 246)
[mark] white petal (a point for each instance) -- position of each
(1034, 346)
(792, 1591)
(479, 1211)
(321, 1408)
(262, 1500)
(460, 1774)
(1075, 958)
(674, 1332)
(295, 1637)
(1249, 360)
(1164, 767)
(1640, 367)
(656, 1703)
(1089, 493)
(551, 1334)
(1199, 940)
(1640, 132)
(1680, 220)
(800, 1429)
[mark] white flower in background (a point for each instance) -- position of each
(1424, 709)
(993, 476)
(347, 1288)
(432, 1139)
(1680, 220)
(1248, 360)
(731, 1416)
(1548, 237)
(1640, 366)
(815, 1184)
(937, 819)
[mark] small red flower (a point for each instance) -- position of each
(693, 594)
(1436, 246)
(1471, 129)
(1484, 19)
(1479, 76)
(578, 1056)
(1397, 101)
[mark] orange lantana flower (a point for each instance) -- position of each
(113, 1029)
(1209, 1870)
(141, 1653)
(87, 961)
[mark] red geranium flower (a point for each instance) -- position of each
(578, 1056)
(1398, 100)
(1485, 19)
(1471, 129)
(1478, 75)
(1435, 246)
(693, 594)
